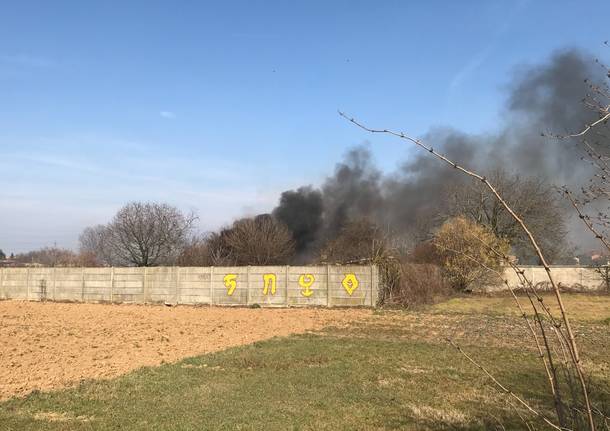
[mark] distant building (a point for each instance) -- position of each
(593, 258)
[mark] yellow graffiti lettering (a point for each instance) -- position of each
(269, 279)
(230, 283)
(350, 283)
(305, 281)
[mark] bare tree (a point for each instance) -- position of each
(359, 241)
(194, 253)
(204, 250)
(532, 198)
(261, 240)
(93, 243)
(141, 234)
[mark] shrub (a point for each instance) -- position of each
(465, 253)
(402, 282)
(414, 284)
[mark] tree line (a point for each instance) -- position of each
(159, 234)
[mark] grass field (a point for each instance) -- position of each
(389, 370)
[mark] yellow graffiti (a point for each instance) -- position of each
(350, 283)
(230, 283)
(269, 279)
(305, 281)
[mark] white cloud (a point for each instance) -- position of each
(167, 114)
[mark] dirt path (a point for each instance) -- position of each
(51, 345)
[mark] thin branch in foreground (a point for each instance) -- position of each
(586, 219)
(504, 388)
(549, 367)
(588, 127)
(574, 352)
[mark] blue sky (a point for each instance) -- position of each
(220, 106)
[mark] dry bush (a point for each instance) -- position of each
(417, 283)
(403, 283)
(464, 251)
(425, 252)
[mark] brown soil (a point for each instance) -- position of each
(52, 345)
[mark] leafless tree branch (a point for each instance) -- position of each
(574, 351)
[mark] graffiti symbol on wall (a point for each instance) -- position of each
(230, 283)
(305, 281)
(269, 280)
(350, 283)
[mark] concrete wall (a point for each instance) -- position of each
(245, 285)
(573, 277)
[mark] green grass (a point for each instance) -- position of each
(393, 372)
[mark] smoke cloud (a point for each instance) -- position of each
(545, 98)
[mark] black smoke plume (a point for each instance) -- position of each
(545, 98)
(301, 210)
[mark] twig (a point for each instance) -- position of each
(587, 128)
(549, 367)
(586, 219)
(572, 341)
(504, 388)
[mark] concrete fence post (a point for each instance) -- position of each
(328, 297)
(177, 286)
(144, 287)
(372, 282)
(248, 285)
(211, 285)
(533, 271)
(111, 284)
(287, 272)
(2, 290)
(54, 282)
(377, 287)
(27, 283)
(82, 279)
